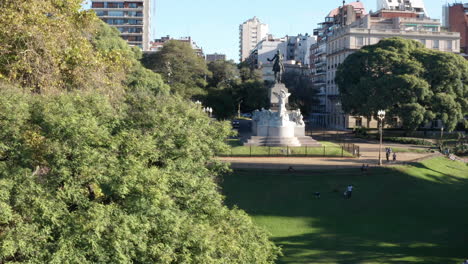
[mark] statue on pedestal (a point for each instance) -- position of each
(278, 66)
(282, 96)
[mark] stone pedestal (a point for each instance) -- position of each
(279, 126)
(273, 99)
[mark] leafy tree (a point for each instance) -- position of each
(303, 92)
(83, 180)
(223, 74)
(45, 45)
(180, 67)
(107, 40)
(409, 81)
(99, 164)
(49, 46)
(247, 72)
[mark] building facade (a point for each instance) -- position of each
(157, 44)
(368, 31)
(215, 57)
(416, 6)
(251, 32)
(456, 20)
(132, 18)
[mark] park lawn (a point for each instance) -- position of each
(327, 149)
(408, 214)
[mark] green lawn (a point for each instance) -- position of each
(412, 214)
(327, 149)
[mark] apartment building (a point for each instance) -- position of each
(215, 57)
(157, 44)
(415, 6)
(131, 18)
(455, 18)
(338, 17)
(251, 32)
(368, 31)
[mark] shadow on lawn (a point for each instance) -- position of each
(393, 217)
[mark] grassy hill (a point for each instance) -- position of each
(408, 214)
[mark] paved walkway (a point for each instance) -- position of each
(369, 155)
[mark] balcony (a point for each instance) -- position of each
(320, 82)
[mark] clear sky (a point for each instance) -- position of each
(214, 24)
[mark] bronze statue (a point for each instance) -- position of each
(278, 66)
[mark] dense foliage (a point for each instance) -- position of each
(303, 92)
(98, 162)
(232, 86)
(416, 84)
(83, 181)
(180, 67)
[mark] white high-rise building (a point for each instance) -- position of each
(251, 33)
(403, 5)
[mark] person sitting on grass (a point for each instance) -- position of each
(291, 169)
(317, 195)
(349, 191)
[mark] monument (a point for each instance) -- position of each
(278, 126)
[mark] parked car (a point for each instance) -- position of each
(247, 115)
(235, 123)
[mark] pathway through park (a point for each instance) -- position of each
(369, 151)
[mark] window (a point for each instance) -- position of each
(449, 45)
(116, 13)
(98, 5)
(435, 44)
(115, 5)
(359, 41)
(358, 122)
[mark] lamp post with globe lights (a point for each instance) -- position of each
(381, 116)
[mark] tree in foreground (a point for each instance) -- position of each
(411, 82)
(86, 181)
(113, 171)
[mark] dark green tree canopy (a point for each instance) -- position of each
(409, 81)
(223, 74)
(303, 92)
(180, 67)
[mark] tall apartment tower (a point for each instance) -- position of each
(251, 33)
(132, 18)
(416, 6)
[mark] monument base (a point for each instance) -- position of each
(282, 142)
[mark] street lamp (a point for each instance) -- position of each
(381, 116)
(238, 108)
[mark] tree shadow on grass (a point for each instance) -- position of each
(394, 216)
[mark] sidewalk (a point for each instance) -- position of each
(369, 151)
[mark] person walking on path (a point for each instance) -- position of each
(394, 156)
(349, 191)
(387, 154)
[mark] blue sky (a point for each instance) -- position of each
(214, 24)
